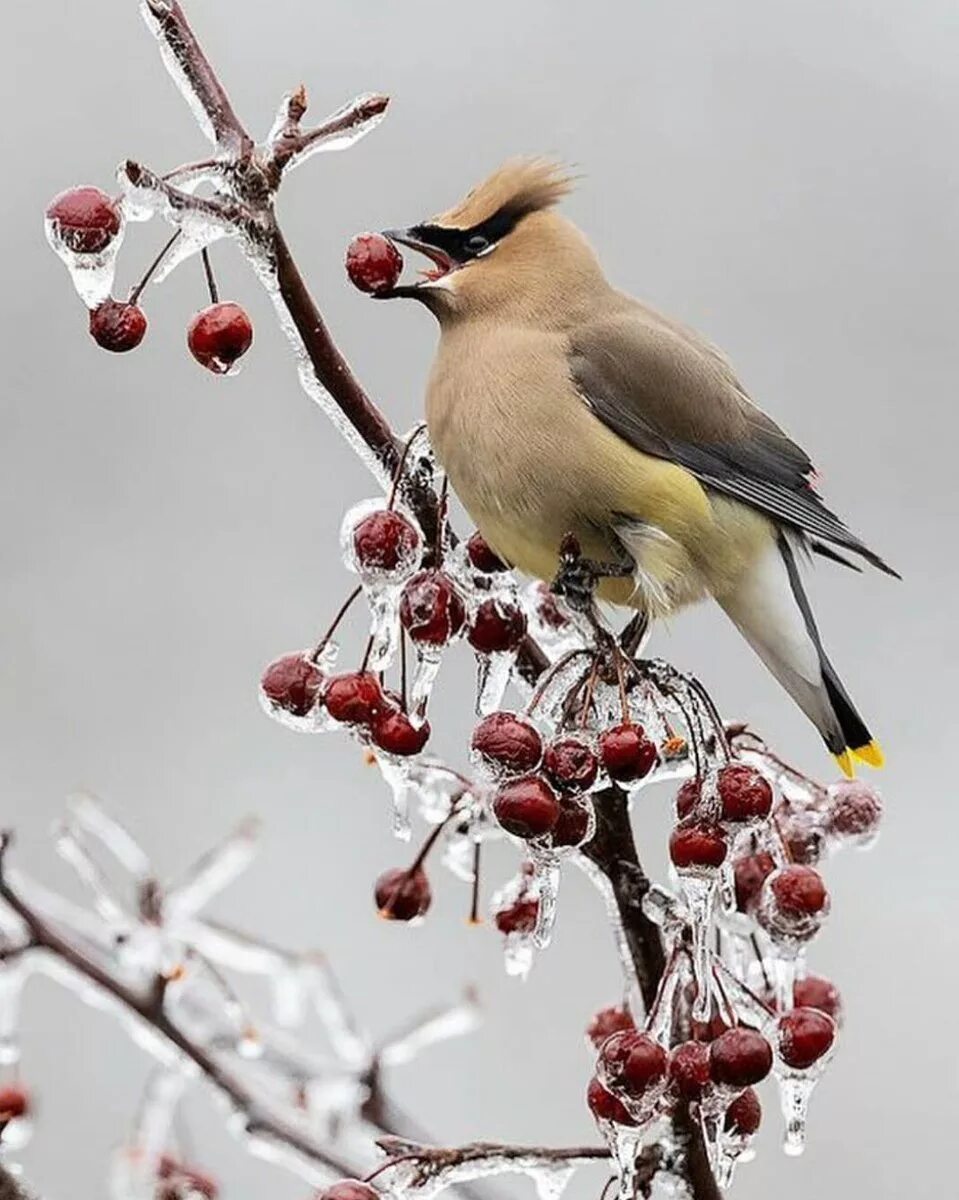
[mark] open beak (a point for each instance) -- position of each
(443, 264)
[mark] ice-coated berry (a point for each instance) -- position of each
(798, 890)
(805, 1035)
(572, 825)
(632, 1062)
(570, 765)
(496, 627)
(605, 1106)
(176, 1181)
(607, 1022)
(518, 917)
(403, 895)
(687, 798)
(802, 833)
(744, 1115)
(749, 875)
(354, 699)
(854, 810)
(395, 733)
(292, 683)
(384, 541)
(118, 326)
(744, 794)
(350, 1189)
(507, 745)
(219, 335)
(689, 1069)
(431, 608)
(627, 753)
(527, 807)
(548, 608)
(740, 1057)
(697, 844)
(373, 263)
(84, 219)
(482, 557)
(816, 992)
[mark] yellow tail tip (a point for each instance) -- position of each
(846, 764)
(871, 755)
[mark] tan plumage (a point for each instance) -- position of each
(558, 404)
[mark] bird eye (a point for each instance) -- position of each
(476, 244)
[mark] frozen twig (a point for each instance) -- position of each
(434, 1168)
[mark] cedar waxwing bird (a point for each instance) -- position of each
(558, 405)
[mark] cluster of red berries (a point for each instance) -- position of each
(700, 840)
(86, 221)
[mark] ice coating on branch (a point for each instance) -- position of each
(493, 676)
(214, 871)
(343, 132)
(397, 775)
(699, 894)
(13, 975)
(151, 10)
(546, 883)
(92, 275)
(450, 1021)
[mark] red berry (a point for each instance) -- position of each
(395, 733)
(384, 540)
(744, 794)
(799, 890)
(519, 917)
(607, 1022)
(431, 609)
(572, 825)
(740, 1057)
(801, 833)
(744, 1115)
(854, 809)
(350, 1189)
(219, 335)
(482, 557)
(570, 765)
(85, 219)
(373, 263)
(548, 609)
(689, 1069)
(816, 992)
(632, 1062)
(177, 1181)
(805, 1035)
(292, 683)
(14, 1102)
(507, 744)
(118, 326)
(687, 798)
(402, 895)
(605, 1106)
(697, 844)
(354, 699)
(496, 626)
(749, 874)
(526, 807)
(627, 753)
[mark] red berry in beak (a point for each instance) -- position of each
(697, 844)
(604, 1105)
(84, 219)
(526, 808)
(496, 626)
(354, 699)
(627, 753)
(395, 733)
(482, 557)
(805, 1035)
(570, 765)
(740, 1057)
(219, 335)
(373, 263)
(744, 794)
(292, 683)
(431, 609)
(118, 326)
(744, 1115)
(402, 895)
(384, 541)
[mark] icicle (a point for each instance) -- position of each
(625, 1145)
(551, 1181)
(660, 1025)
(428, 661)
(519, 953)
(493, 675)
(91, 274)
(699, 892)
(396, 774)
(795, 1088)
(384, 625)
(546, 884)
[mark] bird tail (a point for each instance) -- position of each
(771, 610)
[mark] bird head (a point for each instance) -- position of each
(502, 247)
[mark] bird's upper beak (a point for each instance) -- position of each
(416, 239)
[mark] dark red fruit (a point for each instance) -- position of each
(373, 263)
(177, 1181)
(805, 1035)
(689, 1069)
(744, 794)
(518, 917)
(14, 1102)
(604, 1105)
(548, 609)
(350, 1189)
(118, 326)
(687, 798)
(506, 743)
(697, 844)
(219, 335)
(627, 753)
(749, 874)
(526, 807)
(740, 1057)
(607, 1022)
(799, 890)
(854, 809)
(744, 1115)
(632, 1061)
(570, 765)
(395, 733)
(801, 833)
(85, 219)
(402, 895)
(354, 699)
(573, 824)
(482, 557)
(496, 626)
(431, 609)
(292, 683)
(816, 992)
(384, 540)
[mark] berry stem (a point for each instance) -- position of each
(210, 278)
(344, 609)
(474, 917)
(401, 465)
(136, 291)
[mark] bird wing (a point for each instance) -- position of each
(671, 394)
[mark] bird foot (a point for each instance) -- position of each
(578, 577)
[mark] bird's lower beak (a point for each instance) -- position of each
(443, 264)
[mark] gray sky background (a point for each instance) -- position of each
(782, 176)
